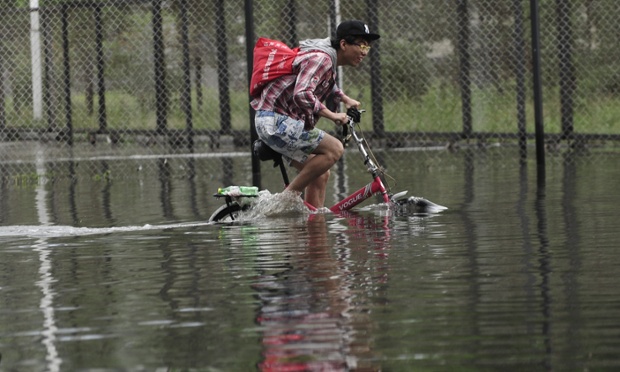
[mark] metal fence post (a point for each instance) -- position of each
(538, 99)
(47, 71)
(2, 92)
(186, 90)
(161, 92)
(222, 67)
(103, 125)
(249, 54)
(35, 60)
(67, 75)
(519, 61)
(464, 65)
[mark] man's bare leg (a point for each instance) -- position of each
(315, 191)
(314, 173)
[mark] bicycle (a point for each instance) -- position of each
(238, 201)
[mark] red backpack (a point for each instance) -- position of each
(272, 59)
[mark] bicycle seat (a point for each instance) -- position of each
(265, 152)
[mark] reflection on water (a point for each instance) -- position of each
(45, 274)
(313, 311)
(121, 274)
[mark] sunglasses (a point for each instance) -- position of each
(365, 48)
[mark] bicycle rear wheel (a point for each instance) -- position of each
(228, 212)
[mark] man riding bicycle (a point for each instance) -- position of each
(289, 107)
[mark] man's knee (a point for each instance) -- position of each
(340, 149)
(335, 150)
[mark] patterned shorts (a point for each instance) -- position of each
(287, 135)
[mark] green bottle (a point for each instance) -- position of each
(238, 191)
(249, 190)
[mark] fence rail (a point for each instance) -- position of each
(447, 72)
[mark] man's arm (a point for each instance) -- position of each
(350, 102)
(314, 70)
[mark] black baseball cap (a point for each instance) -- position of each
(355, 28)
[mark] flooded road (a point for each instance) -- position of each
(126, 274)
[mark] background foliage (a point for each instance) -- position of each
(438, 66)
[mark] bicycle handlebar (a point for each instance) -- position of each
(351, 113)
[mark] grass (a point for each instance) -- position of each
(437, 111)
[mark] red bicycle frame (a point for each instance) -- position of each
(375, 187)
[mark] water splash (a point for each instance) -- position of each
(52, 231)
(286, 203)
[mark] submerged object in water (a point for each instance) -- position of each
(416, 204)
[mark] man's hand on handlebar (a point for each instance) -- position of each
(354, 114)
(341, 118)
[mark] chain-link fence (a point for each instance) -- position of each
(153, 77)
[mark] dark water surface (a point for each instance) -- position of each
(126, 274)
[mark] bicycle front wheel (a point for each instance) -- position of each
(228, 212)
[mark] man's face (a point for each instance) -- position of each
(355, 52)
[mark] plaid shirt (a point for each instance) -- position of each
(301, 96)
